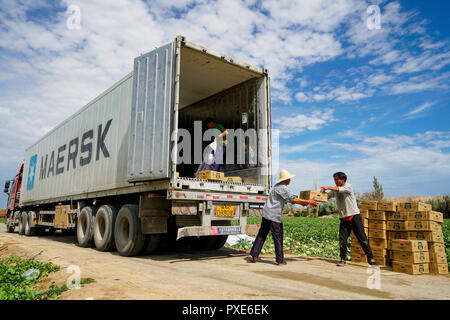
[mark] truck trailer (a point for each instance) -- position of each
(111, 170)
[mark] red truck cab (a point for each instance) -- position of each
(13, 191)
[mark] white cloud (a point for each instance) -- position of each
(301, 97)
(297, 123)
(416, 111)
(420, 83)
(414, 165)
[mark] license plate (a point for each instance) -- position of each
(225, 211)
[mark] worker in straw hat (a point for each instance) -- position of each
(271, 217)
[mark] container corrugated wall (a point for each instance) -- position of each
(92, 147)
(151, 115)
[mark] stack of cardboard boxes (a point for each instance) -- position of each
(410, 256)
(416, 221)
(388, 222)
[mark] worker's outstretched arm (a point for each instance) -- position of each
(305, 202)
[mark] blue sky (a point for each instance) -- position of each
(369, 102)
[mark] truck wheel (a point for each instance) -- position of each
(219, 242)
(85, 227)
(22, 217)
(29, 231)
(104, 228)
(10, 224)
(128, 235)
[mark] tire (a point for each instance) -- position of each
(128, 235)
(104, 222)
(10, 224)
(29, 222)
(219, 242)
(22, 217)
(85, 227)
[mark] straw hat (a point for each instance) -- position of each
(284, 175)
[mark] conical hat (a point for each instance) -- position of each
(284, 175)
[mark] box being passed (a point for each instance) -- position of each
(313, 195)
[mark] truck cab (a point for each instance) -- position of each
(13, 192)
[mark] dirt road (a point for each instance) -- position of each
(223, 274)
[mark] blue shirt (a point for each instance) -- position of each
(279, 195)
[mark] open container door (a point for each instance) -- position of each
(151, 115)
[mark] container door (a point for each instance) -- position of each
(151, 115)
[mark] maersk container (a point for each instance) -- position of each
(110, 170)
(121, 141)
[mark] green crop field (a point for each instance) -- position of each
(317, 237)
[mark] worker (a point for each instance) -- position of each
(350, 217)
(221, 148)
(271, 217)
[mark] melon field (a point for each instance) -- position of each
(317, 237)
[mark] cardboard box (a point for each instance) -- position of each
(438, 257)
(232, 179)
(411, 257)
(353, 236)
(378, 243)
(211, 175)
(356, 248)
(426, 215)
(411, 268)
(413, 206)
(377, 215)
(314, 195)
(369, 205)
(426, 235)
(409, 245)
(377, 224)
(382, 261)
(395, 216)
(365, 222)
(377, 233)
(387, 206)
(396, 226)
(392, 235)
(364, 213)
(436, 247)
(439, 268)
(380, 252)
(423, 226)
(358, 258)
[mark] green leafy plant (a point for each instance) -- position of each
(14, 285)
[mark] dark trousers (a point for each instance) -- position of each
(277, 234)
(357, 226)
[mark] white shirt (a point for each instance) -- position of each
(345, 200)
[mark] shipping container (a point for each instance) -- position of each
(119, 155)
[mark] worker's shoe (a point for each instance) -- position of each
(251, 259)
(341, 263)
(373, 263)
(281, 263)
